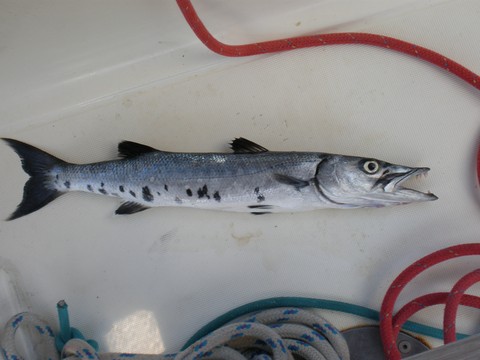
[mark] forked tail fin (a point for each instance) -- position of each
(38, 190)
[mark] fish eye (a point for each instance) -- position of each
(371, 166)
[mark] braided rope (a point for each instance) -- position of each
(276, 334)
(38, 327)
(293, 43)
(391, 323)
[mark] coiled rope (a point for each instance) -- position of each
(41, 330)
(273, 328)
(278, 334)
(391, 323)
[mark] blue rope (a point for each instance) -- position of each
(310, 303)
(66, 332)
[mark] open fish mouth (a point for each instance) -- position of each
(392, 180)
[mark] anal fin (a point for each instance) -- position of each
(130, 207)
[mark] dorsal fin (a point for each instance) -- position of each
(128, 149)
(244, 146)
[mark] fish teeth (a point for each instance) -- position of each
(421, 175)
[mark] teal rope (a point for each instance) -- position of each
(64, 321)
(310, 303)
(66, 332)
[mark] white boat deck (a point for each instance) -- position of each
(78, 77)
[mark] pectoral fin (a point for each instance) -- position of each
(292, 181)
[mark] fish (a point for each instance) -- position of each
(249, 179)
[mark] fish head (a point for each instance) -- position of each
(360, 182)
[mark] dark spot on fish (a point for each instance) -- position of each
(256, 190)
(102, 184)
(203, 192)
(121, 188)
(133, 194)
(260, 206)
(166, 187)
(146, 194)
(260, 198)
(261, 213)
(67, 184)
(102, 191)
(158, 193)
(178, 200)
(56, 176)
(189, 192)
(217, 196)
(89, 188)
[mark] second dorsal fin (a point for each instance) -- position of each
(244, 146)
(128, 149)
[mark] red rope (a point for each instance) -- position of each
(425, 301)
(389, 323)
(327, 39)
(453, 301)
(321, 40)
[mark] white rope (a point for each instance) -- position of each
(276, 334)
(44, 345)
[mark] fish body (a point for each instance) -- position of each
(251, 179)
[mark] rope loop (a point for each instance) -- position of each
(38, 328)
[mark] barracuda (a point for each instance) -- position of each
(251, 179)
